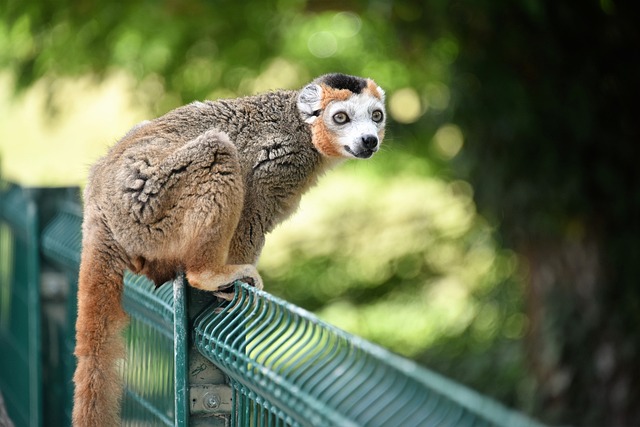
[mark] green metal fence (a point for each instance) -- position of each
(20, 335)
(60, 248)
(289, 368)
(149, 371)
(195, 360)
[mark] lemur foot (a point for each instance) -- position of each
(217, 281)
(227, 292)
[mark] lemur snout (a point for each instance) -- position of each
(370, 142)
(365, 147)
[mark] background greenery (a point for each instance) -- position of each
(494, 239)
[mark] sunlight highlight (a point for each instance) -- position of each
(448, 141)
(51, 133)
(404, 105)
(322, 44)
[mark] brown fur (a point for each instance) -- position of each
(323, 139)
(372, 88)
(194, 190)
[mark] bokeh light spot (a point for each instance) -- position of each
(515, 326)
(346, 24)
(279, 74)
(404, 105)
(438, 95)
(322, 44)
(448, 141)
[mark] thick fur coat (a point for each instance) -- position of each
(196, 190)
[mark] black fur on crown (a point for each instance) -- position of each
(343, 81)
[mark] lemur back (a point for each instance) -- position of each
(196, 190)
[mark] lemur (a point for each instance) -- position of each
(196, 190)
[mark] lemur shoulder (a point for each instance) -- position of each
(196, 190)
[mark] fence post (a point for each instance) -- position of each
(20, 321)
(180, 347)
(209, 399)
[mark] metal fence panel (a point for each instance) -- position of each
(254, 361)
(149, 369)
(290, 368)
(20, 368)
(60, 244)
(149, 398)
(164, 385)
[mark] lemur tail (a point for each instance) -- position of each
(99, 341)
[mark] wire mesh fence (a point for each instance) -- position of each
(290, 368)
(195, 360)
(20, 320)
(149, 368)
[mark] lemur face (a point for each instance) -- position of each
(346, 114)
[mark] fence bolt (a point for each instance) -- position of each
(211, 401)
(209, 398)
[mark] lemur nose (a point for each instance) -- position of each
(369, 142)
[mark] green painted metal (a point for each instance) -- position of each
(61, 241)
(149, 397)
(290, 368)
(210, 395)
(194, 360)
(158, 374)
(181, 352)
(62, 238)
(149, 369)
(20, 333)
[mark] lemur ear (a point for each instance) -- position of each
(309, 102)
(375, 89)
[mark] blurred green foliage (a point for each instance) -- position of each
(533, 103)
(547, 100)
(422, 274)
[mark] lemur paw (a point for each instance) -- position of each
(227, 296)
(252, 282)
(227, 292)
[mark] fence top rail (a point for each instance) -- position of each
(325, 376)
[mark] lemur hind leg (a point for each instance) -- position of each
(213, 198)
(206, 265)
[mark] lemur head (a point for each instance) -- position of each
(346, 115)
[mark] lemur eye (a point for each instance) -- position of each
(340, 118)
(377, 116)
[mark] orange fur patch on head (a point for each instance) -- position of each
(372, 88)
(323, 140)
(330, 94)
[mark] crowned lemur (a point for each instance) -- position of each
(196, 190)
